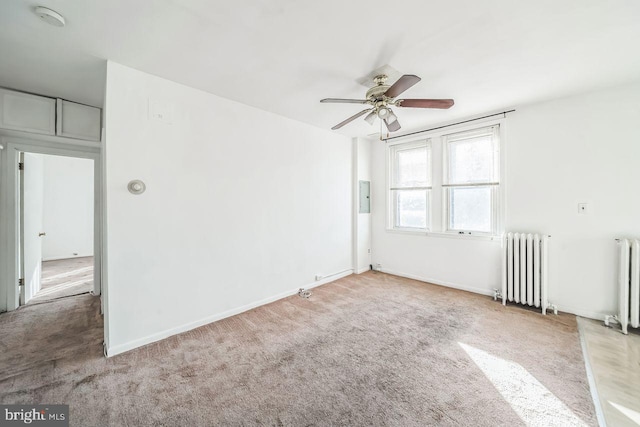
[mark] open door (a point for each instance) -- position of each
(31, 214)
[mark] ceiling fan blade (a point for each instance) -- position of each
(393, 126)
(403, 83)
(350, 119)
(425, 103)
(344, 101)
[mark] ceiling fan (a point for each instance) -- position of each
(382, 96)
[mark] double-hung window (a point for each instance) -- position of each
(471, 180)
(410, 185)
(458, 194)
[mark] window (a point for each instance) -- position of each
(458, 195)
(471, 179)
(410, 185)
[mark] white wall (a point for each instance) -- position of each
(560, 153)
(68, 207)
(242, 206)
(362, 164)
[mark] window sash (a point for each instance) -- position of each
(493, 210)
(396, 216)
(395, 167)
(471, 184)
(447, 144)
(396, 188)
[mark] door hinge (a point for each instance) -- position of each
(21, 166)
(21, 282)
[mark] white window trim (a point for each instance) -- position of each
(437, 220)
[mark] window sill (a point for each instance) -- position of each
(489, 238)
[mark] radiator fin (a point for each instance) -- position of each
(524, 275)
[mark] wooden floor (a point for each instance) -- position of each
(65, 277)
(615, 364)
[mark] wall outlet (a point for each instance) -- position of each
(368, 251)
(319, 277)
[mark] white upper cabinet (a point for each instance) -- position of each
(78, 121)
(26, 112)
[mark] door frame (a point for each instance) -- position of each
(9, 208)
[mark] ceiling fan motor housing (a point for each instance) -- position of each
(376, 92)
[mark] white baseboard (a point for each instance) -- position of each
(481, 291)
(363, 270)
(66, 257)
(582, 313)
(121, 348)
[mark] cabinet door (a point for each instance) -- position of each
(78, 121)
(26, 112)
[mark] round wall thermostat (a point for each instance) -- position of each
(136, 187)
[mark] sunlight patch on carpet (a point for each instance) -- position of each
(532, 401)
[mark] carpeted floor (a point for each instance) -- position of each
(372, 349)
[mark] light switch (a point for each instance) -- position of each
(583, 208)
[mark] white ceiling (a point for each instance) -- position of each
(284, 56)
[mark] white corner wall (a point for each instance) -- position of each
(68, 207)
(242, 207)
(559, 153)
(362, 221)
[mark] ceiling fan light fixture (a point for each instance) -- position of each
(383, 112)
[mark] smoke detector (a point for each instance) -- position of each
(50, 16)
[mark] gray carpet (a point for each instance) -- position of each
(372, 349)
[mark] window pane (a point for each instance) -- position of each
(411, 208)
(471, 160)
(470, 209)
(412, 168)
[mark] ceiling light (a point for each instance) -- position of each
(50, 16)
(383, 112)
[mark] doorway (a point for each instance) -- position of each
(56, 215)
(32, 266)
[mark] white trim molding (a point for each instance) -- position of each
(21, 142)
(122, 348)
